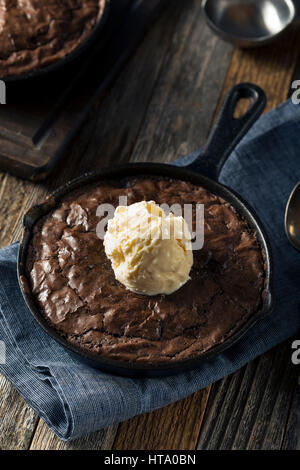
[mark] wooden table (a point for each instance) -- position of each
(161, 107)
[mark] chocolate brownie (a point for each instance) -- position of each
(35, 33)
(76, 291)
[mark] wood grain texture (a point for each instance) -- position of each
(43, 439)
(174, 427)
(292, 434)
(17, 419)
(249, 409)
(270, 67)
(13, 194)
(184, 100)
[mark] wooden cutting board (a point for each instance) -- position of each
(43, 114)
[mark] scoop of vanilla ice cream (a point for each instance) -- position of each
(150, 252)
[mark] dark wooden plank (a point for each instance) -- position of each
(184, 101)
(270, 426)
(270, 67)
(291, 439)
(175, 427)
(17, 419)
(249, 409)
(43, 439)
(13, 194)
(224, 407)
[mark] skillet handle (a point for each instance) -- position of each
(227, 130)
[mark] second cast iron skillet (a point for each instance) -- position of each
(203, 171)
(80, 49)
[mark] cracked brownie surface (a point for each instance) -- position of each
(75, 288)
(35, 33)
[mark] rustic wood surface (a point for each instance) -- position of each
(161, 107)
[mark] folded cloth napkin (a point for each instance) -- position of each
(74, 399)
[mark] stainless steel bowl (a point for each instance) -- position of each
(249, 23)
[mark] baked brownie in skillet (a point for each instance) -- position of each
(36, 33)
(75, 288)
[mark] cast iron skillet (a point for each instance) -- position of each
(204, 171)
(68, 57)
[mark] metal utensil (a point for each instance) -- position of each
(249, 23)
(292, 217)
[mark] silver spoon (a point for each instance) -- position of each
(249, 23)
(292, 217)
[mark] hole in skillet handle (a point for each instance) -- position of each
(241, 107)
(227, 130)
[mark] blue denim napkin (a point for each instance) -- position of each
(74, 399)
